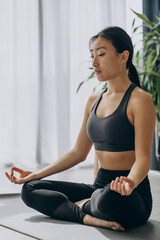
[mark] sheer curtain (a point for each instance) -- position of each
(19, 80)
(44, 55)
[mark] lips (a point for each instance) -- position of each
(97, 72)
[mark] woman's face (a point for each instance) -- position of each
(107, 63)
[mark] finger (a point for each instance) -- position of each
(14, 179)
(121, 186)
(120, 183)
(112, 185)
(121, 179)
(124, 192)
(116, 187)
(11, 175)
(17, 169)
(7, 175)
(128, 188)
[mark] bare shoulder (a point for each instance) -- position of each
(142, 101)
(92, 99)
(139, 95)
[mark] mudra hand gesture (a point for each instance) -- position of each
(24, 176)
(122, 185)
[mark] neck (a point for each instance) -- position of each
(118, 85)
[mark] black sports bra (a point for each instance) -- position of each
(113, 133)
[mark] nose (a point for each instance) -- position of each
(95, 62)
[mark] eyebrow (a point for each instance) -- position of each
(91, 50)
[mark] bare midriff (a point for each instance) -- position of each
(116, 160)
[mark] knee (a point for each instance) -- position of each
(26, 192)
(102, 201)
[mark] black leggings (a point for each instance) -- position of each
(56, 199)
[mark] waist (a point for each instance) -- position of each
(123, 160)
(105, 177)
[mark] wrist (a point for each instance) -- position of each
(134, 182)
(34, 176)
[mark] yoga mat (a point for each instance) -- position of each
(17, 216)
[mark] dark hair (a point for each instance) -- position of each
(121, 42)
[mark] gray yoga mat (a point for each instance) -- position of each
(17, 216)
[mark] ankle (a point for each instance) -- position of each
(89, 220)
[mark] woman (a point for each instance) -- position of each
(120, 121)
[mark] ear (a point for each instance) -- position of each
(124, 56)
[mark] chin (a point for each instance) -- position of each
(102, 80)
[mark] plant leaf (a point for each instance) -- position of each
(80, 86)
(147, 22)
(154, 74)
(92, 75)
(133, 22)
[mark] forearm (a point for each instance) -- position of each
(139, 171)
(65, 162)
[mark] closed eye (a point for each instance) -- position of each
(101, 54)
(98, 55)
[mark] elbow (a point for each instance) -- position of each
(147, 163)
(147, 168)
(78, 155)
(83, 159)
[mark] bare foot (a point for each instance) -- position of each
(89, 220)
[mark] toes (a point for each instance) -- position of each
(117, 227)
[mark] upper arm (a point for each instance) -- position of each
(144, 124)
(83, 143)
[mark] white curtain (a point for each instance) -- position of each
(43, 57)
(19, 80)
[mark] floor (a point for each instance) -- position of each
(7, 234)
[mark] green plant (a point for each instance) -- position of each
(146, 60)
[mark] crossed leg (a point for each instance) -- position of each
(93, 221)
(59, 199)
(105, 204)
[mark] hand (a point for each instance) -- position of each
(122, 185)
(24, 176)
